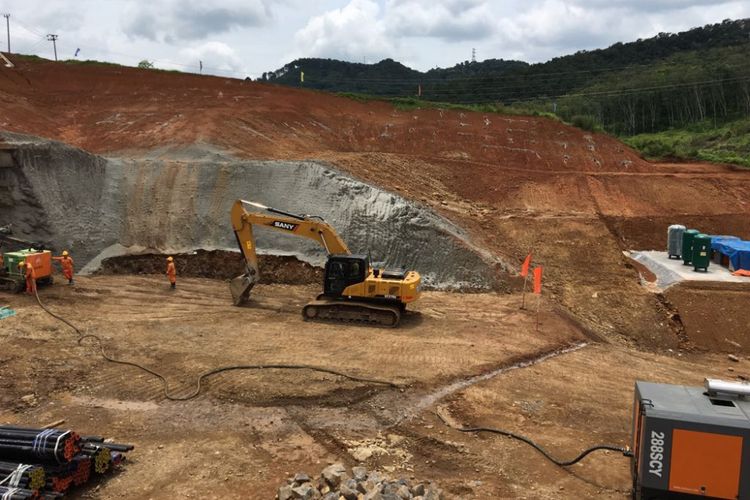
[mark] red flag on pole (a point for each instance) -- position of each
(525, 266)
(538, 280)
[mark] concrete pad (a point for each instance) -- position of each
(670, 271)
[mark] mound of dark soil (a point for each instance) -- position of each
(217, 264)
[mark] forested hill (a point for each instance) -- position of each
(387, 77)
(644, 86)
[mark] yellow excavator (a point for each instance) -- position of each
(352, 289)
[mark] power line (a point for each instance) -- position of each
(527, 71)
(34, 42)
(509, 81)
(487, 99)
(520, 87)
(27, 28)
(37, 45)
(618, 93)
(513, 93)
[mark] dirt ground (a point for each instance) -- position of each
(248, 431)
(714, 314)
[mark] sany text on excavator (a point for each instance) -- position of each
(352, 290)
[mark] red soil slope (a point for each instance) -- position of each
(105, 108)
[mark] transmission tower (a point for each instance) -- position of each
(473, 55)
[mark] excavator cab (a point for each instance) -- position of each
(342, 271)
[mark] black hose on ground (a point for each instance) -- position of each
(205, 375)
(562, 463)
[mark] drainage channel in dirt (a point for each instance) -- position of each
(390, 408)
(433, 397)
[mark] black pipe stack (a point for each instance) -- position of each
(31, 477)
(18, 493)
(46, 445)
(45, 463)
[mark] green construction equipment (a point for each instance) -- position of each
(701, 252)
(687, 245)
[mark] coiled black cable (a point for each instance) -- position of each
(205, 375)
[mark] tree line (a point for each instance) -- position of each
(647, 85)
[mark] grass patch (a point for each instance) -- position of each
(89, 62)
(413, 103)
(726, 143)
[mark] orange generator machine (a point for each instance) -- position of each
(690, 441)
(13, 279)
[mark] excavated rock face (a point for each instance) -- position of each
(58, 195)
(97, 207)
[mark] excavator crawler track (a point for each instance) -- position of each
(352, 311)
(12, 285)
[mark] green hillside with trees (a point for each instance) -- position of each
(685, 95)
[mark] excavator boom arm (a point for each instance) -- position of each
(297, 225)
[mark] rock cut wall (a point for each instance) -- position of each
(97, 207)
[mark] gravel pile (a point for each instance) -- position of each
(336, 483)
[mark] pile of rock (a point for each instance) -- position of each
(335, 483)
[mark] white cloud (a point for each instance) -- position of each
(537, 30)
(170, 20)
(647, 5)
(362, 30)
(450, 20)
(552, 23)
(266, 34)
(352, 32)
(217, 58)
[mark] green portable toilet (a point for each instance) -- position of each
(687, 245)
(701, 252)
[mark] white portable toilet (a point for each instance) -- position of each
(674, 241)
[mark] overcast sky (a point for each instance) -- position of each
(247, 37)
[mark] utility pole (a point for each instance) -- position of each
(7, 28)
(53, 38)
(473, 55)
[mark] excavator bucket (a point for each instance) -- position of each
(240, 288)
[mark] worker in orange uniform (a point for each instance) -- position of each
(30, 277)
(66, 261)
(171, 272)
